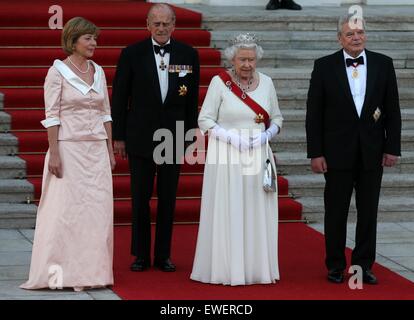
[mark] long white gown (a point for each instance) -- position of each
(238, 231)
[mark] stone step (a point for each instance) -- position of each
(15, 190)
(327, 40)
(17, 215)
(296, 98)
(312, 185)
(378, 18)
(8, 144)
(295, 118)
(294, 140)
(280, 58)
(296, 163)
(391, 208)
(298, 78)
(5, 121)
(12, 167)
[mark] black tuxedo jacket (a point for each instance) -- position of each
(333, 128)
(137, 108)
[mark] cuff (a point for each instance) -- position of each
(106, 118)
(50, 122)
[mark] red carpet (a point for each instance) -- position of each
(28, 48)
(11, 76)
(32, 97)
(189, 186)
(108, 37)
(302, 270)
(102, 56)
(26, 13)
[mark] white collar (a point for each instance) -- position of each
(155, 43)
(347, 56)
(77, 82)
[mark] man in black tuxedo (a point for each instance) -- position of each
(155, 87)
(353, 128)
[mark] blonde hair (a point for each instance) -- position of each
(75, 28)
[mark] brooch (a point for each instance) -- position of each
(377, 114)
(182, 91)
(259, 118)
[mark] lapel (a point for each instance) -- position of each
(343, 79)
(76, 81)
(372, 71)
(172, 76)
(151, 66)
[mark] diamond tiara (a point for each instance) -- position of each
(244, 39)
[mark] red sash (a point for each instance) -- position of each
(262, 115)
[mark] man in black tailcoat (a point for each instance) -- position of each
(353, 128)
(155, 87)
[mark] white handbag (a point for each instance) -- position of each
(269, 176)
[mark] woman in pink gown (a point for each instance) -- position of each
(73, 242)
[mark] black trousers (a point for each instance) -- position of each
(338, 191)
(142, 184)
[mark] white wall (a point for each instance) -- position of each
(388, 2)
(251, 2)
(304, 3)
(264, 2)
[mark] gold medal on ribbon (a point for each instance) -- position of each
(355, 73)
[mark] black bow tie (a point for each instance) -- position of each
(357, 61)
(166, 48)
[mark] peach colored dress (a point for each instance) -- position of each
(73, 242)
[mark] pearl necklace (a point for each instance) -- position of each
(87, 69)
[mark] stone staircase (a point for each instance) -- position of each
(15, 191)
(292, 41)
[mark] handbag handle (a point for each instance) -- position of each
(267, 147)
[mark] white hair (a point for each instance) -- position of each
(349, 18)
(243, 41)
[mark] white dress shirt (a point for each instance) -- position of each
(357, 85)
(162, 74)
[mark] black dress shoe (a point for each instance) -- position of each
(139, 265)
(336, 276)
(368, 277)
(273, 5)
(164, 265)
(290, 4)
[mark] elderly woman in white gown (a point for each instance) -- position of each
(238, 231)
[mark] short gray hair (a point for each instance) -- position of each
(243, 41)
(160, 6)
(347, 18)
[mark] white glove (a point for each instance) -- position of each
(230, 137)
(260, 138)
